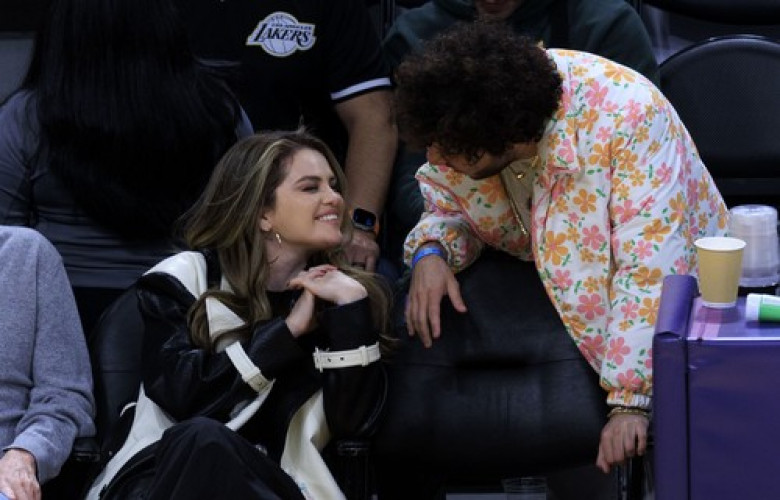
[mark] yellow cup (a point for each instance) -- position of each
(720, 267)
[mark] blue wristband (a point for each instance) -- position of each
(424, 252)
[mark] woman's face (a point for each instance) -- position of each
(308, 211)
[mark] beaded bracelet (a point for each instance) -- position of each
(628, 410)
(426, 251)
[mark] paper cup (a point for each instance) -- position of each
(720, 267)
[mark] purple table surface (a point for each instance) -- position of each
(716, 408)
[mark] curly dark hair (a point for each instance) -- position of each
(477, 88)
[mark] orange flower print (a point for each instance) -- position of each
(577, 324)
(653, 148)
(630, 380)
(649, 309)
(637, 178)
(617, 349)
(618, 73)
(491, 190)
(591, 284)
(655, 231)
(556, 247)
(677, 206)
(646, 277)
(573, 234)
(587, 255)
(600, 156)
(589, 118)
(486, 224)
(590, 306)
(642, 134)
(585, 201)
(454, 178)
(622, 191)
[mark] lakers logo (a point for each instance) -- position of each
(280, 35)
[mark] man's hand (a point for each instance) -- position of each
(18, 480)
(624, 436)
(363, 250)
(432, 279)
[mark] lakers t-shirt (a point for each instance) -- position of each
(293, 58)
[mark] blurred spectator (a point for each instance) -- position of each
(316, 63)
(45, 379)
(112, 136)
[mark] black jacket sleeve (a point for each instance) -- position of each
(353, 396)
(187, 381)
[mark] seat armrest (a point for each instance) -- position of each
(352, 468)
(85, 450)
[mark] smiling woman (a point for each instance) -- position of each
(243, 322)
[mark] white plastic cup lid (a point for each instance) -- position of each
(753, 219)
(752, 303)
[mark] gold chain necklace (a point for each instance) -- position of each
(515, 172)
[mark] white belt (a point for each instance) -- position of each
(361, 356)
(249, 372)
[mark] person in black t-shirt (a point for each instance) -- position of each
(316, 63)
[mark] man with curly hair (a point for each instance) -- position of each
(572, 161)
(609, 28)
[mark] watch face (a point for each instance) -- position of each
(363, 218)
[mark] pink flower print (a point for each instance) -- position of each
(618, 349)
(566, 152)
(625, 211)
(630, 310)
(634, 115)
(693, 189)
(574, 217)
(593, 237)
(664, 173)
(562, 279)
(604, 134)
(590, 306)
(643, 250)
(681, 265)
(629, 380)
(594, 345)
(596, 94)
(649, 359)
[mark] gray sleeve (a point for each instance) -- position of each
(15, 185)
(244, 127)
(61, 405)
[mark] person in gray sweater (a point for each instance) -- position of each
(46, 399)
